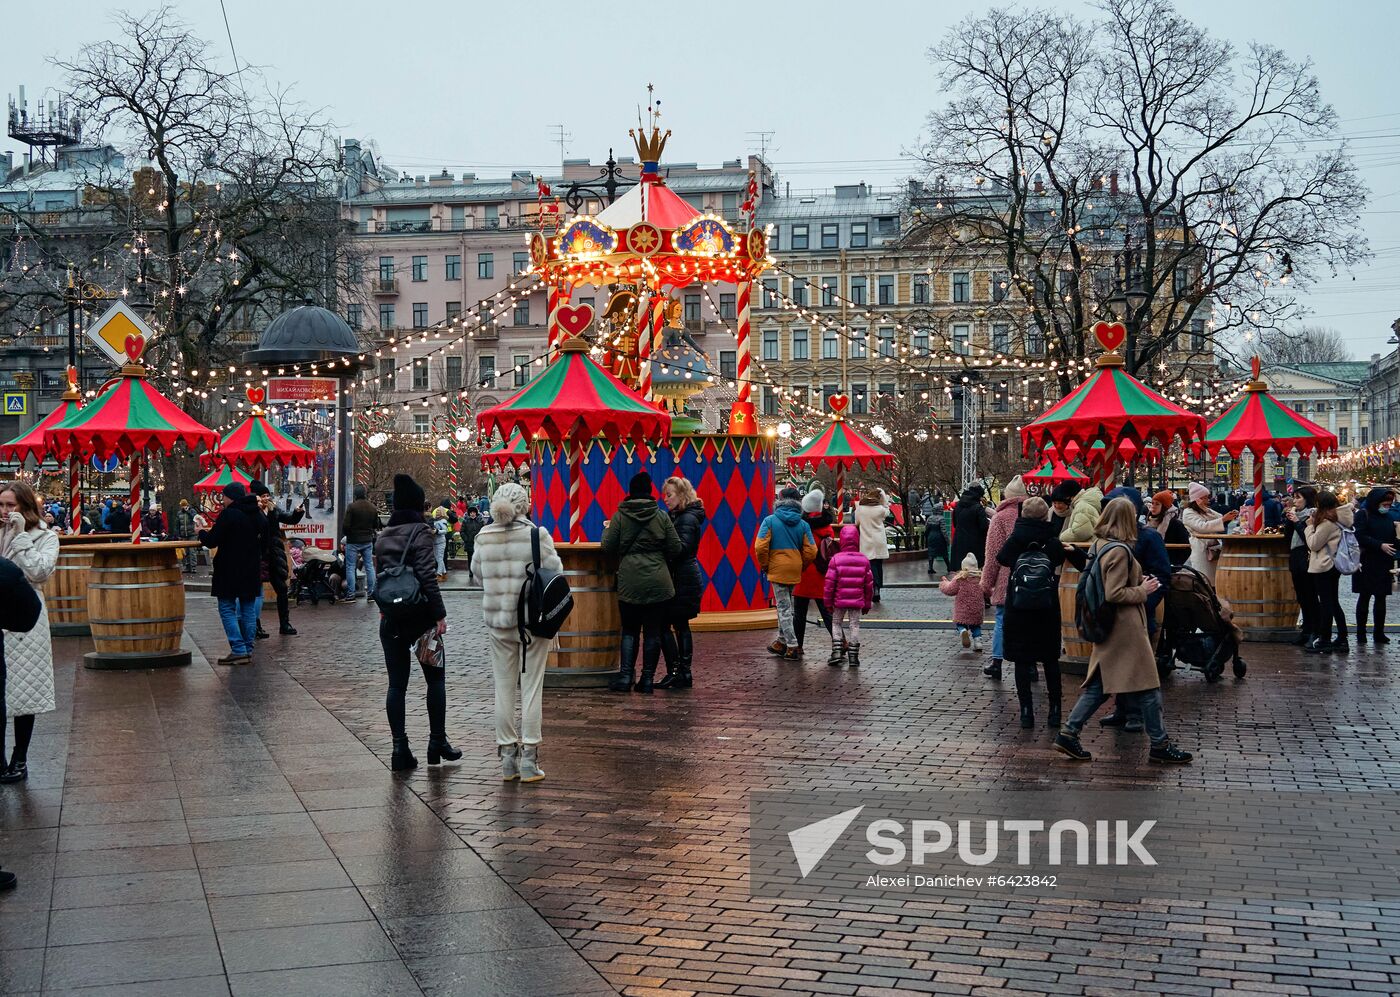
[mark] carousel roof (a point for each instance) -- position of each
(216, 479)
(258, 444)
(842, 445)
(514, 452)
(1259, 422)
(1053, 472)
(649, 202)
(32, 442)
(129, 417)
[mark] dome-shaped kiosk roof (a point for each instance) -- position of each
(306, 334)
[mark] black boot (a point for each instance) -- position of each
(651, 657)
(1381, 638)
(439, 748)
(670, 656)
(1023, 694)
(438, 745)
(993, 669)
(622, 682)
(853, 655)
(402, 758)
(1052, 694)
(1361, 619)
(678, 673)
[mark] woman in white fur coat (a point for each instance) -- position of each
(33, 547)
(503, 548)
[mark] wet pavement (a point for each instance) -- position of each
(208, 831)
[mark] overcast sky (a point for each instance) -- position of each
(842, 87)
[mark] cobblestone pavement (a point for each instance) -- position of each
(635, 848)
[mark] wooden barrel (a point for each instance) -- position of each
(136, 605)
(586, 651)
(65, 592)
(1253, 576)
(1076, 649)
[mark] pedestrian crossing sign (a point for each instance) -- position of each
(16, 403)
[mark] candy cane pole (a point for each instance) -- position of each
(840, 491)
(555, 299)
(647, 340)
(75, 497)
(1258, 513)
(575, 483)
(743, 360)
(134, 470)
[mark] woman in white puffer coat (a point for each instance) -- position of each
(503, 549)
(33, 547)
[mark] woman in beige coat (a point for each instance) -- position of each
(1324, 536)
(1199, 518)
(1123, 663)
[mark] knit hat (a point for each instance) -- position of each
(969, 563)
(408, 494)
(1198, 491)
(509, 503)
(258, 488)
(812, 502)
(640, 486)
(1015, 489)
(234, 490)
(791, 492)
(1166, 499)
(1065, 491)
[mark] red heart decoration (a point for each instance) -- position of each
(838, 403)
(135, 346)
(1110, 334)
(575, 319)
(256, 395)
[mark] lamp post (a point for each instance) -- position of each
(1127, 302)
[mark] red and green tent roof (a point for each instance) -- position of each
(576, 400)
(1053, 472)
(257, 444)
(514, 452)
(842, 445)
(1258, 422)
(129, 417)
(1111, 405)
(216, 479)
(32, 443)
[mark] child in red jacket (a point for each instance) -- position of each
(968, 601)
(850, 590)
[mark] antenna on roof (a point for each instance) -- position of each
(562, 138)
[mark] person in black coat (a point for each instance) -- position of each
(19, 612)
(935, 540)
(1033, 635)
(688, 517)
(409, 540)
(1375, 533)
(1295, 522)
(275, 553)
(969, 526)
(237, 538)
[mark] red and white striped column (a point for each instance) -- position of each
(134, 471)
(75, 496)
(742, 334)
(575, 488)
(649, 341)
(554, 302)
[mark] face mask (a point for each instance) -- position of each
(1385, 508)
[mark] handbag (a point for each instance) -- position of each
(397, 591)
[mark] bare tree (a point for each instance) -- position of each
(1137, 153)
(1305, 344)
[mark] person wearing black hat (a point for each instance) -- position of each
(236, 538)
(1061, 498)
(644, 542)
(274, 553)
(408, 540)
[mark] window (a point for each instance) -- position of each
(485, 266)
(857, 290)
(884, 290)
(386, 269)
(420, 424)
(770, 344)
(1001, 337)
(770, 293)
(522, 312)
(386, 316)
(1035, 341)
(590, 302)
(961, 333)
(799, 237)
(886, 391)
(454, 373)
(799, 291)
(454, 311)
(420, 315)
(352, 315)
(1179, 281)
(1001, 399)
(522, 369)
(829, 285)
(1001, 286)
(801, 349)
(454, 268)
(773, 239)
(962, 287)
(519, 263)
(859, 344)
(921, 289)
(355, 270)
(420, 269)
(888, 225)
(1198, 334)
(920, 343)
(388, 377)
(770, 401)
(728, 364)
(860, 402)
(860, 235)
(486, 370)
(1342, 436)
(831, 345)
(831, 235)
(729, 204)
(420, 373)
(887, 342)
(727, 304)
(691, 306)
(1365, 435)
(1066, 282)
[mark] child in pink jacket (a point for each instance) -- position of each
(850, 589)
(968, 601)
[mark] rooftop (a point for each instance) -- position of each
(1350, 371)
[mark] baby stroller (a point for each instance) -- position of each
(314, 574)
(1197, 628)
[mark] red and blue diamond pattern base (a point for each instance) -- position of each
(734, 477)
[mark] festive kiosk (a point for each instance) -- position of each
(1113, 408)
(216, 480)
(513, 453)
(1253, 570)
(258, 445)
(645, 245)
(1051, 473)
(135, 593)
(840, 445)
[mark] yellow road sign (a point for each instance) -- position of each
(118, 324)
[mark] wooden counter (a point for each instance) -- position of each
(65, 592)
(136, 604)
(1252, 575)
(586, 652)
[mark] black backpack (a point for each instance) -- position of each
(1093, 613)
(545, 600)
(1033, 584)
(396, 588)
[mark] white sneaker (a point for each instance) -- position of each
(966, 638)
(977, 644)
